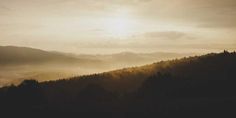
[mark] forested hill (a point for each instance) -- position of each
(202, 85)
(129, 79)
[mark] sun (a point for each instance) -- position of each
(119, 26)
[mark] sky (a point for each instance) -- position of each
(111, 26)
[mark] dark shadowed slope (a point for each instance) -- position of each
(209, 66)
(201, 86)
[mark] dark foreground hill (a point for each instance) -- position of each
(201, 86)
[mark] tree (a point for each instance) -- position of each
(29, 93)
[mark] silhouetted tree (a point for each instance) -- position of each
(94, 98)
(202, 85)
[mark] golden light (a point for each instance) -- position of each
(119, 26)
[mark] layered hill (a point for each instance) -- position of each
(19, 63)
(200, 86)
(11, 55)
(198, 67)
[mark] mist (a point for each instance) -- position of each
(20, 63)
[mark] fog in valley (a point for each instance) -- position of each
(20, 63)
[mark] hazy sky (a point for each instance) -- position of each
(107, 26)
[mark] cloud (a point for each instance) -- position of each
(225, 25)
(217, 14)
(202, 13)
(96, 30)
(156, 23)
(205, 13)
(4, 10)
(213, 13)
(169, 35)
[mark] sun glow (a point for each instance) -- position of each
(119, 26)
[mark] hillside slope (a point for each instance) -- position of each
(128, 79)
(201, 86)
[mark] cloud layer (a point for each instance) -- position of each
(84, 24)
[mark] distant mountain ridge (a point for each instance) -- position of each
(12, 54)
(26, 55)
